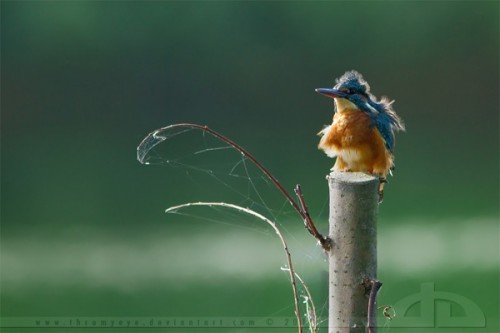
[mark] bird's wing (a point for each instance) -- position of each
(385, 120)
(386, 130)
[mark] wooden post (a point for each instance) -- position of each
(353, 257)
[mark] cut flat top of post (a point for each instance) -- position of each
(351, 177)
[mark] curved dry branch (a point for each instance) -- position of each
(309, 224)
(278, 232)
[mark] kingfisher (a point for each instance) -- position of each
(361, 136)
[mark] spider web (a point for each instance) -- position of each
(209, 169)
(217, 172)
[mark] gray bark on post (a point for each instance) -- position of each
(353, 257)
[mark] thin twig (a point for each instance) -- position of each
(308, 222)
(374, 286)
(266, 172)
(311, 317)
(278, 232)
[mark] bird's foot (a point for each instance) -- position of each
(380, 196)
(382, 181)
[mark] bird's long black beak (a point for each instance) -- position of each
(331, 92)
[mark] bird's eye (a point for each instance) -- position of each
(347, 91)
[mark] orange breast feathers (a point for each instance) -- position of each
(358, 146)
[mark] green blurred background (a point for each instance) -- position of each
(83, 233)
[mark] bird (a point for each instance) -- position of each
(362, 134)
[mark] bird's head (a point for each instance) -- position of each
(350, 87)
(351, 91)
